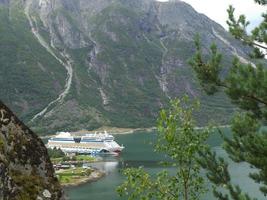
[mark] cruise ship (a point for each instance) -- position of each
(97, 143)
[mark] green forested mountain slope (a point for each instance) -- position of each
(121, 60)
(29, 77)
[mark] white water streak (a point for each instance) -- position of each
(233, 49)
(67, 64)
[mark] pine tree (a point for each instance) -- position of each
(246, 85)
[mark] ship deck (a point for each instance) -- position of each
(78, 145)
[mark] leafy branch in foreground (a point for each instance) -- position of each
(246, 85)
(182, 143)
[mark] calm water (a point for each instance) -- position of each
(139, 152)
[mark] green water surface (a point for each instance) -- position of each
(139, 152)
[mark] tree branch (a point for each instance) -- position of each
(259, 45)
(245, 96)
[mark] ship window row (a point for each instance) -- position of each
(62, 139)
(86, 140)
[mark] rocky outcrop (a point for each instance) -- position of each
(26, 172)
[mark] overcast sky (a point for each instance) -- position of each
(216, 9)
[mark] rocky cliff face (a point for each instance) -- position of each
(25, 169)
(112, 62)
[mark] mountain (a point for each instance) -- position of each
(25, 169)
(82, 64)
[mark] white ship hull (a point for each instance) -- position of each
(89, 144)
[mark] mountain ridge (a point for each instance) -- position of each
(128, 58)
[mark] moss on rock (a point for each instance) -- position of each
(26, 172)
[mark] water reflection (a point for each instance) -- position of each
(110, 163)
(107, 166)
(140, 163)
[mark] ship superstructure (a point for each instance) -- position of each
(88, 144)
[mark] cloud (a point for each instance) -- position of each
(216, 10)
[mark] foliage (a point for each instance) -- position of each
(181, 143)
(85, 158)
(238, 29)
(66, 158)
(207, 73)
(55, 153)
(246, 85)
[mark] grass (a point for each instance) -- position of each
(73, 175)
(86, 158)
(56, 160)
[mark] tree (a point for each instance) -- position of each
(182, 143)
(55, 153)
(246, 85)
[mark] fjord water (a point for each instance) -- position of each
(139, 152)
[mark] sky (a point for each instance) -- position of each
(216, 9)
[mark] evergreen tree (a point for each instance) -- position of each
(182, 143)
(55, 153)
(246, 85)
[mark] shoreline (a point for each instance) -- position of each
(120, 131)
(94, 176)
(115, 130)
(97, 174)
